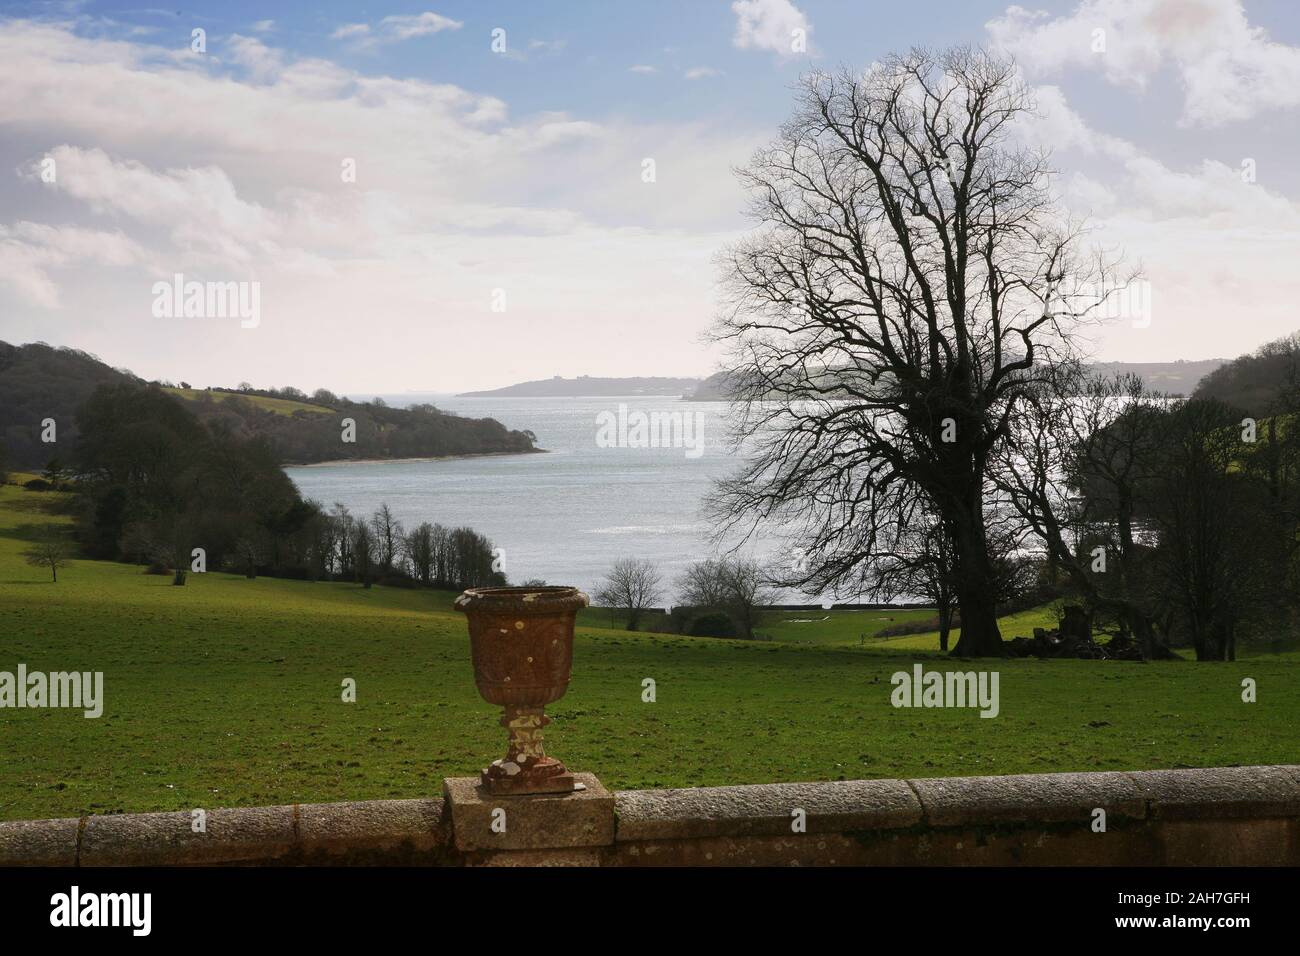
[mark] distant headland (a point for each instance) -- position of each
(585, 386)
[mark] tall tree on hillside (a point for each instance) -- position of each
(909, 278)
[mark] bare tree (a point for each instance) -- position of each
(1222, 541)
(419, 552)
(1072, 472)
(910, 276)
(363, 553)
(737, 586)
(249, 554)
(747, 593)
(633, 584)
(703, 584)
(439, 537)
(1112, 427)
(921, 566)
(472, 560)
(177, 538)
(344, 529)
(388, 536)
(323, 542)
(50, 550)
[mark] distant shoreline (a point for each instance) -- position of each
(387, 461)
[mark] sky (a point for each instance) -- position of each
(440, 196)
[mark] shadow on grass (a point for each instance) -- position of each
(30, 531)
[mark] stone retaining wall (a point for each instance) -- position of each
(1209, 817)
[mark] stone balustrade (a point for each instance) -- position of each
(1229, 816)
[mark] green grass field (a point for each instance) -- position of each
(281, 406)
(228, 692)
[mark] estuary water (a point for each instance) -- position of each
(565, 516)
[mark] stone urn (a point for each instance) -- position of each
(521, 640)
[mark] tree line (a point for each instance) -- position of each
(376, 431)
(156, 485)
(378, 548)
(1174, 523)
(40, 383)
(716, 597)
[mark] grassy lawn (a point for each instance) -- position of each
(281, 406)
(227, 692)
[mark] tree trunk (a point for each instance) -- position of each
(1144, 632)
(1218, 643)
(1198, 642)
(945, 625)
(980, 636)
(974, 588)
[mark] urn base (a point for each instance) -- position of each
(547, 775)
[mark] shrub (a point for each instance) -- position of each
(712, 625)
(920, 626)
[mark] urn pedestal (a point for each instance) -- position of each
(521, 641)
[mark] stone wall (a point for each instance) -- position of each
(1208, 817)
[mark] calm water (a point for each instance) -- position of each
(564, 516)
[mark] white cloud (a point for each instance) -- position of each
(548, 46)
(199, 207)
(1229, 70)
(261, 61)
(642, 68)
(404, 27)
(30, 251)
(701, 72)
(350, 30)
(1214, 247)
(230, 176)
(773, 25)
(394, 29)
